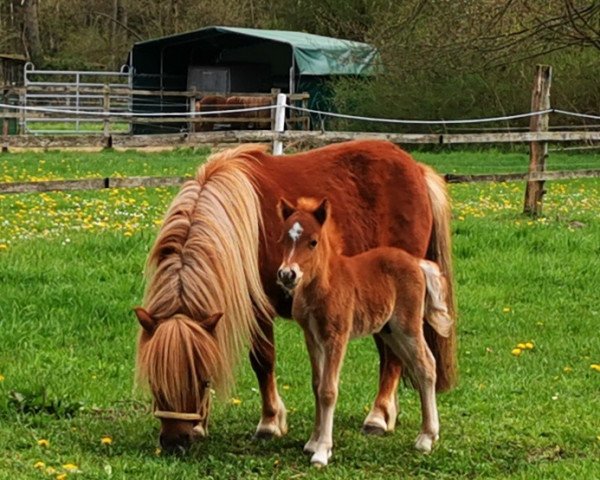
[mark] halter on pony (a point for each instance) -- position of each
(189, 417)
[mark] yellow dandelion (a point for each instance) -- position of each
(286, 387)
(70, 467)
(567, 369)
(157, 452)
(61, 476)
(42, 442)
(39, 465)
(50, 470)
(1, 377)
(595, 366)
(3, 246)
(106, 440)
(516, 352)
(529, 345)
(506, 310)
(235, 401)
(522, 346)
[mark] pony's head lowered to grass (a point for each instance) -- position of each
(202, 296)
(178, 357)
(307, 240)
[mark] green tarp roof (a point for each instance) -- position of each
(313, 54)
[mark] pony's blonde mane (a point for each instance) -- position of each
(205, 261)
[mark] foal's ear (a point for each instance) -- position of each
(210, 323)
(322, 211)
(146, 321)
(285, 209)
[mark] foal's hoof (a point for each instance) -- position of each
(424, 443)
(372, 429)
(321, 458)
(310, 447)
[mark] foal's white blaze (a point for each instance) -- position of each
(295, 231)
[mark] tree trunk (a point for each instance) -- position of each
(31, 31)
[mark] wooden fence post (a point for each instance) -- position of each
(106, 109)
(279, 124)
(538, 151)
(22, 113)
(5, 124)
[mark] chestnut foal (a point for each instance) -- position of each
(337, 298)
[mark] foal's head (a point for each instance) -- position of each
(305, 241)
(177, 357)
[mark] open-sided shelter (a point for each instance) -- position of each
(245, 60)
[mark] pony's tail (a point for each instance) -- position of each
(440, 252)
(436, 310)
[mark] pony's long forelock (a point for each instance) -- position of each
(205, 261)
(178, 344)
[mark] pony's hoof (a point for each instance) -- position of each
(372, 429)
(424, 443)
(264, 435)
(321, 458)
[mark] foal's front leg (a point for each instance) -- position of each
(335, 349)
(316, 355)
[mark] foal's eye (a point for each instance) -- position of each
(312, 243)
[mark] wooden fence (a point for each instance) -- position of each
(538, 137)
(100, 103)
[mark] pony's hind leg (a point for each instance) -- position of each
(383, 414)
(273, 421)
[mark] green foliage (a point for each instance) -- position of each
(442, 60)
(68, 340)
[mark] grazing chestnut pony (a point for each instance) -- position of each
(218, 252)
(337, 298)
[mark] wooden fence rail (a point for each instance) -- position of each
(290, 138)
(152, 182)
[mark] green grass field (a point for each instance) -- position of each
(71, 269)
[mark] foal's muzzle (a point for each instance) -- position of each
(288, 277)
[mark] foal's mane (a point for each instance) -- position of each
(205, 261)
(330, 230)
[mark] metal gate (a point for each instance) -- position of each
(63, 97)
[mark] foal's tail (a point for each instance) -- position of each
(436, 310)
(440, 251)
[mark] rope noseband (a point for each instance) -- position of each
(188, 417)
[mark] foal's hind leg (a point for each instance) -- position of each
(383, 414)
(273, 421)
(412, 348)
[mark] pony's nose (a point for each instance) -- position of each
(177, 444)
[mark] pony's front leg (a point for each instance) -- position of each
(383, 414)
(335, 349)
(273, 421)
